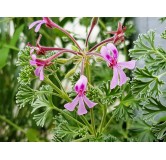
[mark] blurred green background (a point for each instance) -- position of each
(14, 35)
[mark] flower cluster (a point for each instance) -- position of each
(108, 52)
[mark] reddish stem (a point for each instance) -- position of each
(67, 33)
(94, 22)
(59, 53)
(102, 42)
(113, 39)
(94, 54)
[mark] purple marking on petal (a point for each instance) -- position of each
(81, 108)
(88, 102)
(76, 88)
(105, 53)
(82, 87)
(38, 26)
(34, 23)
(42, 74)
(108, 56)
(122, 77)
(71, 106)
(82, 81)
(115, 78)
(113, 49)
(129, 64)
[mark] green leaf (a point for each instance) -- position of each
(143, 46)
(126, 102)
(66, 132)
(154, 110)
(16, 35)
(144, 49)
(160, 130)
(4, 55)
(25, 75)
(142, 132)
(145, 83)
(24, 57)
(43, 105)
(5, 51)
(25, 96)
(163, 35)
(157, 61)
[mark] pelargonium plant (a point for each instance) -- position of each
(87, 108)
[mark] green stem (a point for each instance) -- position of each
(12, 124)
(59, 82)
(48, 81)
(62, 94)
(87, 123)
(67, 115)
(160, 54)
(40, 92)
(103, 117)
(92, 121)
(91, 110)
(108, 123)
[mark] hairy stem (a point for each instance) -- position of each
(108, 123)
(87, 123)
(91, 109)
(101, 43)
(61, 93)
(67, 33)
(103, 118)
(67, 115)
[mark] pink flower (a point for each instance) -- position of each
(38, 23)
(110, 54)
(80, 89)
(40, 66)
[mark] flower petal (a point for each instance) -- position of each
(71, 106)
(31, 51)
(38, 26)
(34, 23)
(81, 108)
(115, 78)
(129, 64)
(32, 62)
(89, 103)
(113, 49)
(42, 74)
(122, 77)
(37, 71)
(33, 56)
(81, 84)
(106, 55)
